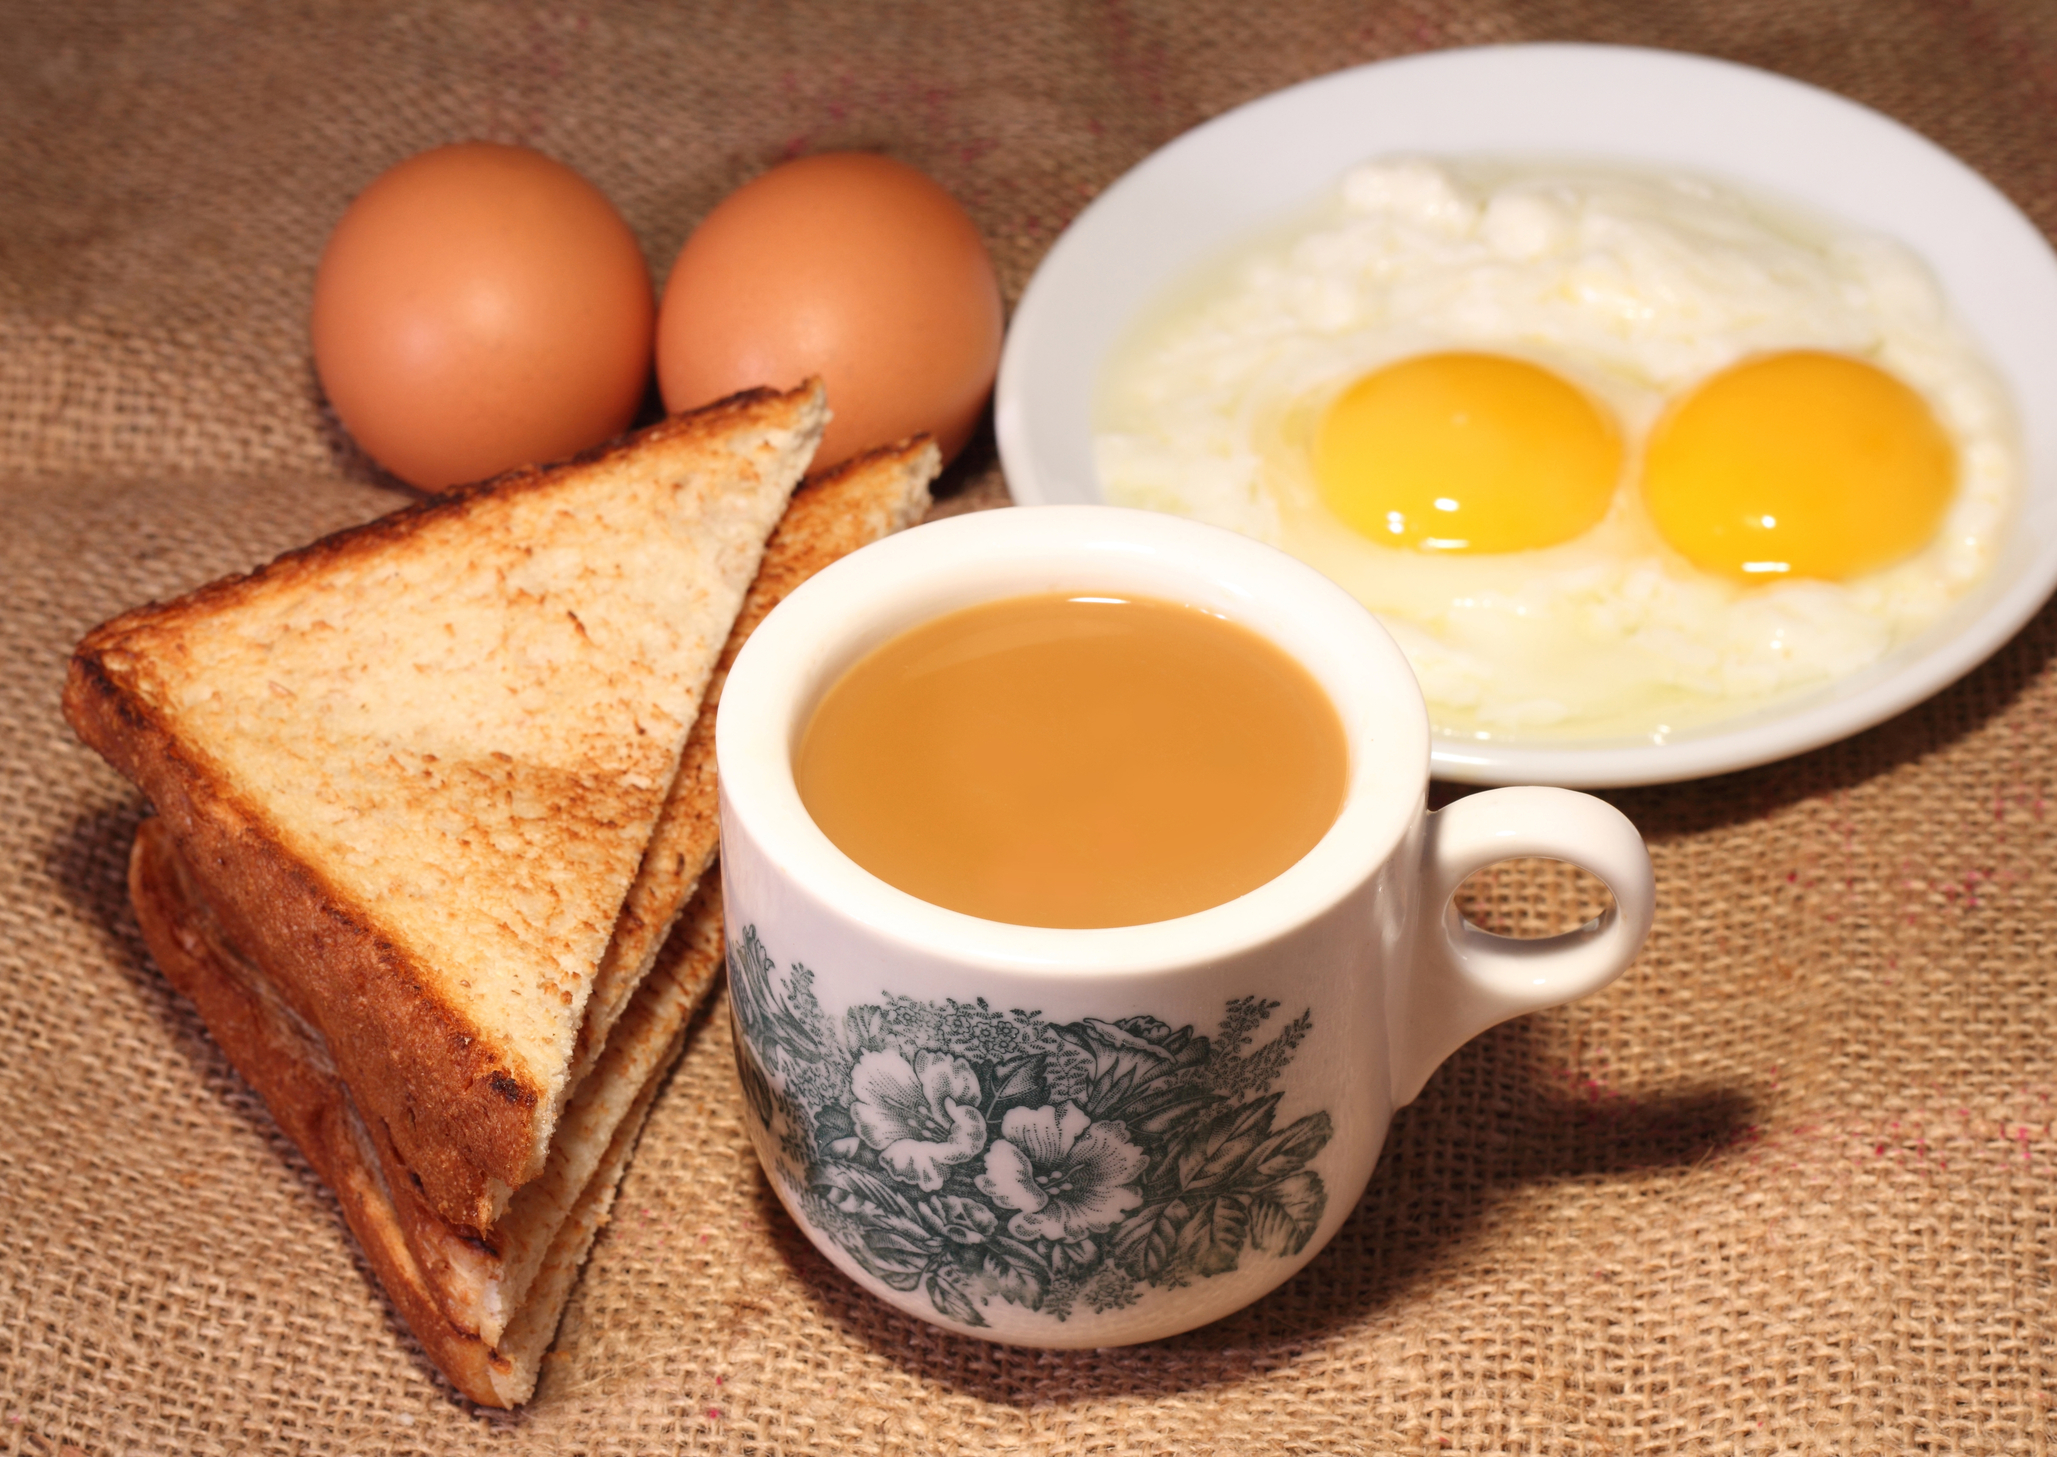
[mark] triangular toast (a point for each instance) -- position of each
(482, 1285)
(486, 1305)
(417, 764)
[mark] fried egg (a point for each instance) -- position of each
(1612, 454)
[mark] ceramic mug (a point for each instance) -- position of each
(1056, 1137)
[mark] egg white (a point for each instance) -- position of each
(1632, 285)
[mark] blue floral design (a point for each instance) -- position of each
(977, 1155)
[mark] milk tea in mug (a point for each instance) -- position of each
(1075, 760)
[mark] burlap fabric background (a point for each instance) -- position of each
(1790, 1186)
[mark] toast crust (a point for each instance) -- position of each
(467, 1103)
(306, 1098)
(284, 1061)
(485, 1303)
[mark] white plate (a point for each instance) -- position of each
(1226, 180)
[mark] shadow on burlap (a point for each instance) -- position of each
(1787, 1187)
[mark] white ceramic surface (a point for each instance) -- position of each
(980, 1167)
(1225, 180)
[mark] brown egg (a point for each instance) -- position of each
(849, 266)
(481, 307)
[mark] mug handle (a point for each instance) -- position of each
(1463, 980)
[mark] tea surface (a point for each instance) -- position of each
(1075, 761)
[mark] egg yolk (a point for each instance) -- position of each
(1803, 464)
(1467, 452)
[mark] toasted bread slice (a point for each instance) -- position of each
(482, 1284)
(417, 764)
(859, 501)
(284, 1059)
(486, 1308)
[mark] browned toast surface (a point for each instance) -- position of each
(277, 1055)
(416, 764)
(284, 1060)
(485, 1308)
(483, 1284)
(865, 498)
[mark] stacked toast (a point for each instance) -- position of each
(435, 806)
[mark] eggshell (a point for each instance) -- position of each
(846, 265)
(481, 307)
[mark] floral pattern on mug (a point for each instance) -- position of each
(922, 1117)
(976, 1155)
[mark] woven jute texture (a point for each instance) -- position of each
(1789, 1186)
